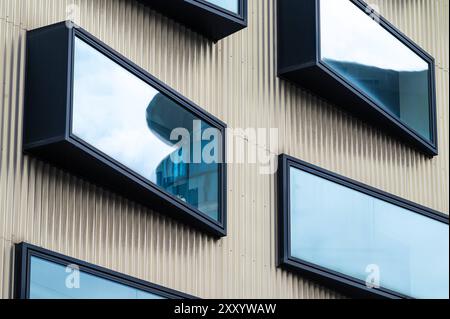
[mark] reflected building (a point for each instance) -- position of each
(402, 93)
(194, 183)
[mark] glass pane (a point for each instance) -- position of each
(368, 56)
(350, 232)
(49, 280)
(130, 121)
(230, 5)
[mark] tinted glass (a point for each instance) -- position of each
(355, 234)
(49, 280)
(131, 122)
(230, 5)
(359, 49)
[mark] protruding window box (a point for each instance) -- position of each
(43, 274)
(93, 112)
(215, 19)
(345, 52)
(358, 239)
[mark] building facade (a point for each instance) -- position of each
(235, 80)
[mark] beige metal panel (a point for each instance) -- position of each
(236, 81)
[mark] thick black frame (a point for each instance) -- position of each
(208, 19)
(299, 61)
(341, 282)
(24, 251)
(47, 126)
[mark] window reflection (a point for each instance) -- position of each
(367, 55)
(49, 280)
(230, 5)
(346, 231)
(130, 121)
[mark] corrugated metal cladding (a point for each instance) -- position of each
(236, 81)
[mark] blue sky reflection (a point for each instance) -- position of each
(131, 122)
(48, 280)
(344, 230)
(230, 5)
(109, 112)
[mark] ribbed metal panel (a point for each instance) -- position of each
(236, 81)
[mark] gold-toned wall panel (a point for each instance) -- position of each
(236, 81)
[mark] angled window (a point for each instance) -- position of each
(215, 19)
(347, 53)
(359, 239)
(96, 114)
(43, 274)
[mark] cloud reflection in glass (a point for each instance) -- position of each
(375, 61)
(128, 120)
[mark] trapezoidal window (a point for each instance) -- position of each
(349, 54)
(44, 274)
(116, 125)
(358, 238)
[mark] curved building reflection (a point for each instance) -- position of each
(194, 183)
(403, 93)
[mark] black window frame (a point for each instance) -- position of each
(341, 282)
(47, 131)
(310, 72)
(24, 251)
(212, 21)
